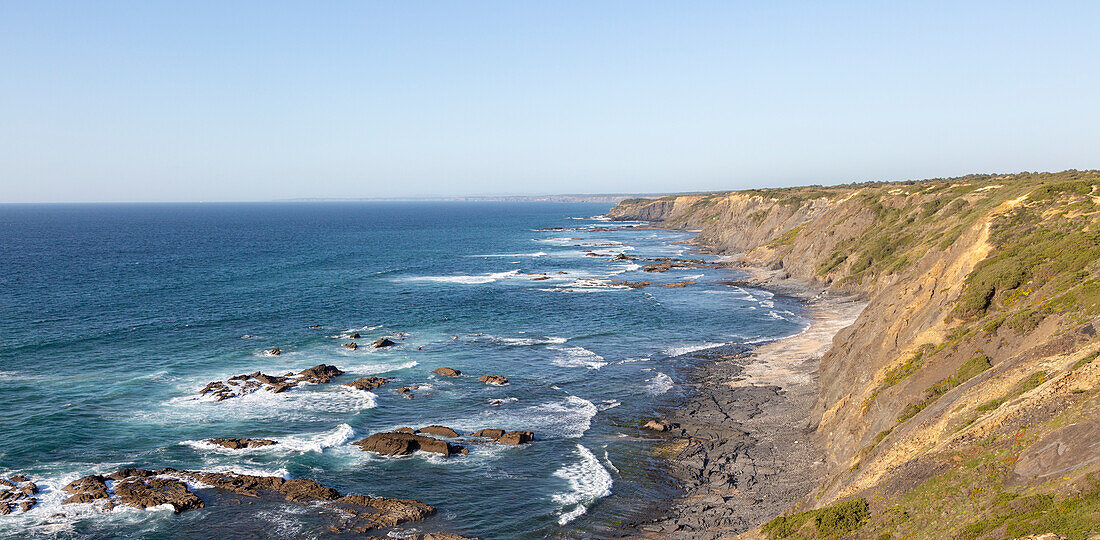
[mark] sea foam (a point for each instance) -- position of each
(588, 482)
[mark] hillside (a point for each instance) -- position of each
(963, 402)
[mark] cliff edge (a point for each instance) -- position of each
(963, 402)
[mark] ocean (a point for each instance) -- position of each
(115, 316)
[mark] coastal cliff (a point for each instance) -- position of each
(964, 399)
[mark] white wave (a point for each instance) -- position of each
(607, 460)
(301, 443)
(466, 279)
(536, 254)
(569, 418)
(632, 360)
(692, 277)
(523, 341)
(378, 368)
(297, 404)
(684, 349)
(609, 404)
(659, 384)
(588, 482)
(578, 357)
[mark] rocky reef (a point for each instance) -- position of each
(246, 384)
(141, 488)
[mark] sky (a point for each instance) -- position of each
(240, 101)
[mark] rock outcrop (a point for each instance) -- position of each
(402, 444)
(246, 384)
(498, 380)
(505, 437)
(237, 444)
(149, 488)
(368, 383)
(17, 493)
(447, 372)
(383, 342)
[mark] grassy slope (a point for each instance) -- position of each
(997, 281)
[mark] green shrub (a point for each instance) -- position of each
(832, 521)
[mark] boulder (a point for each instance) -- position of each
(382, 342)
(355, 336)
(404, 430)
(19, 478)
(488, 433)
(275, 352)
(516, 437)
(447, 372)
(438, 431)
(321, 373)
(237, 444)
(656, 425)
(403, 444)
(353, 345)
(368, 383)
(493, 379)
(27, 504)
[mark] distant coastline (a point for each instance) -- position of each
(567, 198)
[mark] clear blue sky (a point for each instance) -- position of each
(144, 101)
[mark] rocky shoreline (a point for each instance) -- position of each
(742, 445)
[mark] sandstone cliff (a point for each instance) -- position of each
(963, 402)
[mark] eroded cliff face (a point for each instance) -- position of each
(976, 347)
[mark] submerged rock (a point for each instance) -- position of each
(493, 379)
(236, 444)
(403, 444)
(447, 372)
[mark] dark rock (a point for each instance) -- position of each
(447, 372)
(5, 508)
(275, 352)
(355, 336)
(321, 373)
(20, 478)
(488, 433)
(368, 383)
(236, 444)
(353, 345)
(493, 379)
(438, 431)
(382, 342)
(314, 326)
(516, 437)
(403, 444)
(27, 504)
(404, 430)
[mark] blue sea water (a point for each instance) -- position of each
(113, 317)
